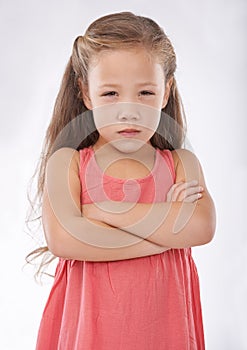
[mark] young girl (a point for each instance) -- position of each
(122, 202)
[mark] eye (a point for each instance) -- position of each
(146, 93)
(109, 93)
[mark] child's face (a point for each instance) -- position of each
(126, 90)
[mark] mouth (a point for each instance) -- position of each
(129, 132)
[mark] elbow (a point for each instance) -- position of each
(53, 246)
(62, 245)
(59, 249)
(210, 225)
(205, 229)
(207, 234)
(56, 242)
(55, 250)
(193, 228)
(52, 233)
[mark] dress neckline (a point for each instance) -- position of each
(112, 178)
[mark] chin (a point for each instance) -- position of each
(128, 146)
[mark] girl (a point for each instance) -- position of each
(122, 203)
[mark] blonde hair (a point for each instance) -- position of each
(122, 30)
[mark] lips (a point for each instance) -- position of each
(129, 132)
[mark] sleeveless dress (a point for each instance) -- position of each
(146, 303)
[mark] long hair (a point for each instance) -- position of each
(122, 30)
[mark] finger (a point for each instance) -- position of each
(188, 192)
(169, 196)
(178, 188)
(174, 192)
(193, 198)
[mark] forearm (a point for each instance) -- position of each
(71, 235)
(173, 225)
(81, 239)
(180, 225)
(70, 248)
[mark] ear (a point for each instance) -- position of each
(85, 94)
(167, 92)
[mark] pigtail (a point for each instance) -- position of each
(71, 126)
(68, 105)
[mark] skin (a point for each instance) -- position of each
(118, 90)
(114, 230)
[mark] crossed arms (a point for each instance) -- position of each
(116, 231)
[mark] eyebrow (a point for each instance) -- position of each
(108, 85)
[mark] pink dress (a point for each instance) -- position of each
(147, 303)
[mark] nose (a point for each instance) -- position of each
(126, 117)
(128, 113)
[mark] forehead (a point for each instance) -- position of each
(125, 63)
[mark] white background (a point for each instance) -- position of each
(36, 42)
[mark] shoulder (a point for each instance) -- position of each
(66, 152)
(65, 156)
(183, 154)
(186, 164)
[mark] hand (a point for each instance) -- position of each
(188, 192)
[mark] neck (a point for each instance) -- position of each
(107, 154)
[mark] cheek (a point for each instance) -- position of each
(104, 117)
(150, 119)
(137, 114)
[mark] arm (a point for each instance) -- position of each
(71, 235)
(171, 224)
